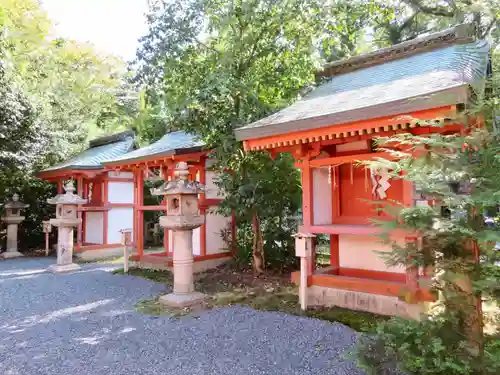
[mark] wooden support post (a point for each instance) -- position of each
(140, 213)
(307, 195)
(307, 207)
(105, 200)
(334, 238)
(79, 237)
(334, 252)
(203, 211)
(136, 205)
(60, 187)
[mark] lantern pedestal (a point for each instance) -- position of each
(184, 294)
(66, 220)
(13, 218)
(64, 248)
(182, 217)
(12, 227)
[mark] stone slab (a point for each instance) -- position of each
(10, 255)
(57, 268)
(378, 304)
(182, 300)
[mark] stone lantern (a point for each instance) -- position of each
(182, 217)
(12, 217)
(66, 220)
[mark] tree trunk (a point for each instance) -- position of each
(258, 248)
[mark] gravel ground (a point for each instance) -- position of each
(85, 323)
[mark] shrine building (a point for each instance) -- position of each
(398, 89)
(116, 179)
(110, 194)
(213, 242)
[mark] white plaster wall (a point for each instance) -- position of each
(322, 193)
(94, 224)
(120, 174)
(120, 192)
(357, 251)
(215, 223)
(119, 218)
(170, 241)
(352, 146)
(211, 190)
(196, 242)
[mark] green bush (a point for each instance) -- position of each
(428, 347)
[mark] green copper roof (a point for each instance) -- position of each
(419, 81)
(101, 150)
(173, 143)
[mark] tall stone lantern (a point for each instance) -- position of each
(182, 217)
(12, 217)
(66, 220)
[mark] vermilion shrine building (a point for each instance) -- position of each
(393, 90)
(112, 175)
(110, 193)
(157, 162)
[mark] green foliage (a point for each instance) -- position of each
(431, 346)
(54, 95)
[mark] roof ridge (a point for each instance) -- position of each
(458, 34)
(112, 138)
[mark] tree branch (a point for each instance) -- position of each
(437, 11)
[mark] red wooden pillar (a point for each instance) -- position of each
(134, 224)
(105, 201)
(203, 210)
(334, 238)
(60, 186)
(140, 213)
(307, 206)
(79, 237)
(411, 270)
(166, 245)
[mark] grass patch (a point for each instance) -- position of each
(108, 260)
(154, 275)
(226, 287)
(285, 299)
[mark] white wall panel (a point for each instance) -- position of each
(119, 218)
(94, 225)
(120, 192)
(215, 223)
(322, 197)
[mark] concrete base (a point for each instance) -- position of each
(378, 304)
(182, 300)
(101, 253)
(10, 255)
(56, 268)
(198, 267)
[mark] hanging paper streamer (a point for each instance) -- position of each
(334, 177)
(380, 182)
(330, 174)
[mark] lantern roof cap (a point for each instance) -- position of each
(69, 197)
(15, 202)
(181, 185)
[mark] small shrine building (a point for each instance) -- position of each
(398, 89)
(110, 194)
(157, 162)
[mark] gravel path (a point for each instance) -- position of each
(85, 324)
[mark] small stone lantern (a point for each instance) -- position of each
(12, 217)
(182, 217)
(66, 220)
